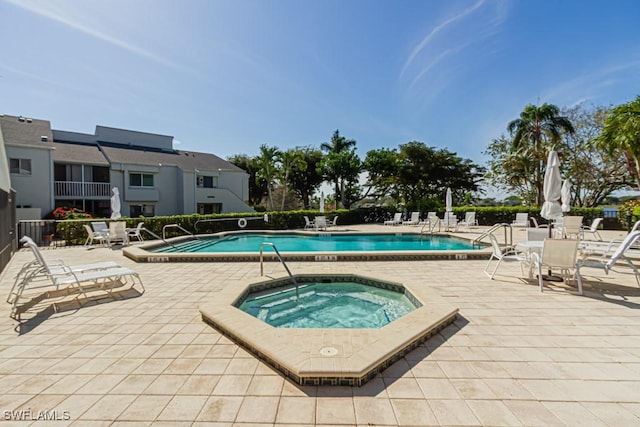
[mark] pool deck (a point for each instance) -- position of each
(514, 356)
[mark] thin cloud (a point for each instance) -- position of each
(51, 14)
(434, 32)
(595, 82)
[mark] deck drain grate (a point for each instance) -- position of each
(328, 351)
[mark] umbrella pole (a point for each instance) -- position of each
(550, 277)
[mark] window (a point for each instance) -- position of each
(20, 166)
(140, 180)
(141, 210)
(207, 181)
(209, 208)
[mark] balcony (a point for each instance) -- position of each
(82, 190)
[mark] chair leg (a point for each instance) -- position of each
(486, 267)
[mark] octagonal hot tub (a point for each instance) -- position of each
(399, 317)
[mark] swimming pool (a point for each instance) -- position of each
(292, 242)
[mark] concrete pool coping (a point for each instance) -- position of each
(141, 253)
(328, 356)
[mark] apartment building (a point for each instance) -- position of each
(55, 168)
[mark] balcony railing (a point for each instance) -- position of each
(82, 189)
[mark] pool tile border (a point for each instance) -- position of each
(296, 353)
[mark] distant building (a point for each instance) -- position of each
(54, 168)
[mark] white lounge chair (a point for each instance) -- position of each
(51, 277)
(414, 220)
(522, 220)
(450, 221)
(597, 255)
(334, 222)
(468, 221)
(562, 255)
(397, 219)
(592, 229)
(93, 235)
(320, 223)
(502, 255)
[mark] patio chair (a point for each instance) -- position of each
(135, 233)
(571, 226)
(414, 220)
(308, 224)
(468, 221)
(450, 221)
(321, 223)
(562, 255)
(118, 233)
(70, 279)
(100, 227)
(522, 220)
(537, 234)
(93, 235)
(334, 222)
(597, 255)
(592, 229)
(397, 219)
(534, 221)
(502, 255)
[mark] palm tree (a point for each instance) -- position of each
(538, 129)
(621, 131)
(290, 160)
(268, 169)
(337, 146)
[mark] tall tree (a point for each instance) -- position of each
(290, 161)
(306, 182)
(594, 173)
(621, 131)
(418, 175)
(536, 131)
(267, 161)
(339, 164)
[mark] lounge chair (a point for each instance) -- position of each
(93, 235)
(53, 277)
(135, 233)
(522, 220)
(397, 219)
(534, 221)
(100, 227)
(468, 221)
(320, 223)
(597, 255)
(502, 255)
(592, 229)
(414, 220)
(334, 222)
(562, 255)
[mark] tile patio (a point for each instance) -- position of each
(514, 356)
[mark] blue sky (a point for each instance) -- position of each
(228, 76)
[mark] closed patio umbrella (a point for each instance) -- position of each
(115, 204)
(321, 202)
(552, 190)
(448, 200)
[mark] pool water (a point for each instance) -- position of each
(328, 305)
(291, 242)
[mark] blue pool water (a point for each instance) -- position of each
(319, 243)
(329, 305)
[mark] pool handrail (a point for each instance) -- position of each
(504, 225)
(178, 226)
(293, 279)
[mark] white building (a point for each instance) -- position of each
(53, 168)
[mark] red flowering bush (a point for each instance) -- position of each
(70, 213)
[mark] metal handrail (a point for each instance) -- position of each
(293, 279)
(430, 225)
(156, 236)
(178, 226)
(493, 228)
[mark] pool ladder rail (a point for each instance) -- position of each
(508, 239)
(284, 264)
